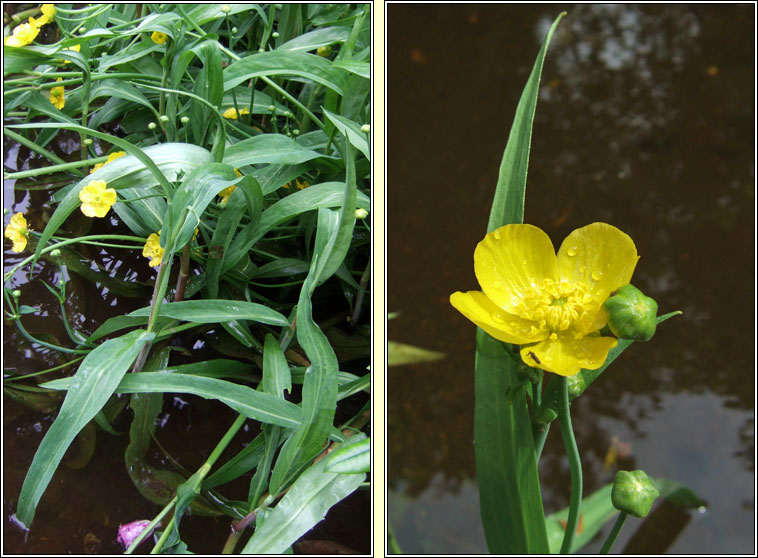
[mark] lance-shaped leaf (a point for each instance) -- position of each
(97, 378)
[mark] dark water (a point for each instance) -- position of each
(645, 121)
(82, 508)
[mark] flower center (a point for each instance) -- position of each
(556, 305)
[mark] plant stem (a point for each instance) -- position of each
(608, 544)
(574, 462)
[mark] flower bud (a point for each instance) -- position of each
(129, 532)
(151, 126)
(275, 34)
(87, 141)
(55, 253)
(361, 213)
(184, 120)
(633, 492)
(16, 293)
(272, 108)
(234, 30)
(631, 314)
(366, 128)
(226, 8)
(163, 118)
(261, 50)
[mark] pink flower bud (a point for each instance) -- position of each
(127, 533)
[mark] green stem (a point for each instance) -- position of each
(608, 544)
(34, 147)
(572, 451)
(52, 247)
(146, 532)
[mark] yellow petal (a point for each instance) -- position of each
(510, 260)
(499, 324)
(601, 256)
(567, 356)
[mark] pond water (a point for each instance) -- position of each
(645, 120)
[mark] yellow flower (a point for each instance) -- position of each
(550, 305)
(301, 185)
(112, 157)
(23, 34)
(232, 114)
(48, 11)
(153, 249)
(58, 96)
(159, 37)
(97, 199)
(17, 231)
(225, 193)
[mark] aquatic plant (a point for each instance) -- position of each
(539, 312)
(148, 90)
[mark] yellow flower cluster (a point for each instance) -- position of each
(153, 249)
(97, 199)
(18, 232)
(551, 305)
(26, 32)
(112, 157)
(232, 114)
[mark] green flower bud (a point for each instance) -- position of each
(163, 118)
(87, 141)
(151, 126)
(16, 293)
(275, 34)
(234, 30)
(226, 8)
(366, 128)
(272, 108)
(631, 314)
(361, 213)
(185, 120)
(55, 253)
(633, 492)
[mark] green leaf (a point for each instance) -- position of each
(305, 504)
(216, 311)
(268, 148)
(315, 39)
(400, 353)
(253, 404)
(309, 66)
(509, 489)
(354, 458)
(352, 131)
(94, 382)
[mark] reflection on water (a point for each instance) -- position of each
(645, 120)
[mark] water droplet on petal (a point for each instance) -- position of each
(497, 234)
(583, 270)
(597, 275)
(497, 317)
(571, 251)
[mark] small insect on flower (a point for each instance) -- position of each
(531, 354)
